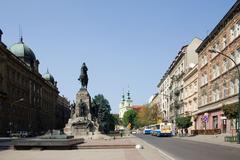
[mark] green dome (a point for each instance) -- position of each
(23, 51)
(47, 76)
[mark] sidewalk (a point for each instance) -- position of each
(148, 153)
(213, 139)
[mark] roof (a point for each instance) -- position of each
(22, 50)
(48, 77)
(137, 107)
(234, 9)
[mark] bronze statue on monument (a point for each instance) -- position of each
(81, 121)
(84, 76)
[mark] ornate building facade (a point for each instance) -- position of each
(171, 86)
(218, 80)
(190, 97)
(28, 101)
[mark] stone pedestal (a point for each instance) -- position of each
(84, 97)
(80, 124)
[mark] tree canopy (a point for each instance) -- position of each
(230, 110)
(130, 117)
(101, 113)
(148, 115)
(183, 122)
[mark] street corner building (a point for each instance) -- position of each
(28, 100)
(218, 78)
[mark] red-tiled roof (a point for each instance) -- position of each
(137, 107)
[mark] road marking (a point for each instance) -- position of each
(160, 151)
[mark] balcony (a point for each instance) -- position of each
(177, 91)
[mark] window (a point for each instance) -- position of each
(237, 85)
(231, 87)
(215, 47)
(238, 56)
(217, 94)
(225, 65)
(204, 99)
(233, 56)
(217, 70)
(237, 29)
(215, 122)
(213, 95)
(204, 60)
(202, 80)
(224, 41)
(195, 86)
(205, 78)
(214, 74)
(233, 33)
(225, 90)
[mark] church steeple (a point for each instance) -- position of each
(123, 97)
(128, 95)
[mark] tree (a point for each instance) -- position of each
(184, 122)
(148, 115)
(101, 112)
(230, 110)
(154, 114)
(113, 121)
(143, 117)
(130, 117)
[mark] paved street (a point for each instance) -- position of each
(191, 150)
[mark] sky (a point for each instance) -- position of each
(126, 44)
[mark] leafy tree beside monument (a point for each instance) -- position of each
(101, 112)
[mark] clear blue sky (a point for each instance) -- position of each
(123, 42)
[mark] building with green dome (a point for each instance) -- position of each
(29, 101)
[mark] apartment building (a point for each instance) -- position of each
(218, 79)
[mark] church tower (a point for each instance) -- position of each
(125, 104)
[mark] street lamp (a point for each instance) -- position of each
(19, 100)
(11, 107)
(238, 110)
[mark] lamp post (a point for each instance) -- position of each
(238, 109)
(11, 124)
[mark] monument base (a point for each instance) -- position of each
(51, 140)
